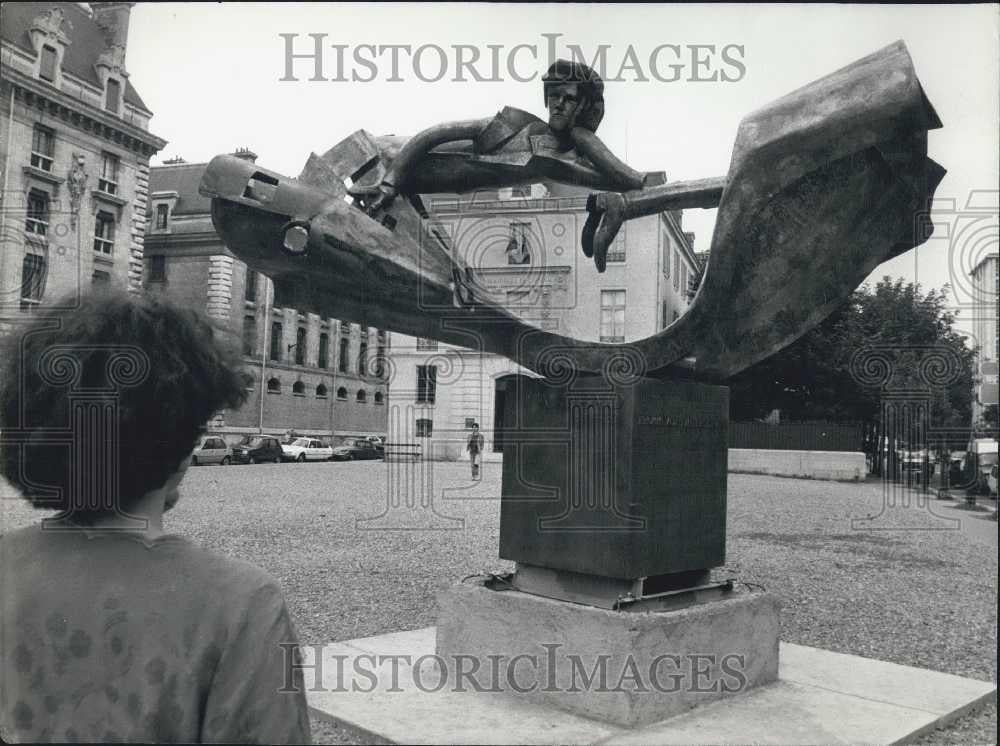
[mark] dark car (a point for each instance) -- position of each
(356, 449)
(258, 449)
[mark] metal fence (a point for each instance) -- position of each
(797, 436)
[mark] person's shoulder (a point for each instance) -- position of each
(223, 573)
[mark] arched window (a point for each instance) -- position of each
(274, 386)
(362, 396)
(299, 388)
(321, 391)
(342, 393)
(379, 397)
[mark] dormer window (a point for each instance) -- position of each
(43, 141)
(108, 181)
(112, 95)
(162, 213)
(47, 63)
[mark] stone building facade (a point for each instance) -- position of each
(75, 155)
(524, 245)
(985, 295)
(316, 376)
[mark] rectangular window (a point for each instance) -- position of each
(612, 315)
(32, 278)
(324, 350)
(162, 212)
(250, 288)
(426, 383)
(104, 233)
(112, 95)
(684, 280)
(363, 359)
(276, 331)
(380, 355)
(47, 65)
(250, 335)
(108, 180)
(343, 357)
(663, 315)
(616, 251)
(425, 428)
(157, 268)
(43, 147)
(38, 212)
(100, 279)
(677, 271)
(666, 254)
(300, 346)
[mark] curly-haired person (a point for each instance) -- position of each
(110, 628)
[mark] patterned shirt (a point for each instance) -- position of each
(107, 636)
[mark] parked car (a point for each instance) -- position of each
(306, 449)
(917, 466)
(979, 460)
(212, 450)
(991, 480)
(355, 449)
(379, 442)
(257, 449)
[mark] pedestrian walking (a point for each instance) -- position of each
(475, 449)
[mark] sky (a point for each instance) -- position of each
(212, 75)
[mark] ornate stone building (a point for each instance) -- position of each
(524, 245)
(316, 376)
(76, 145)
(985, 295)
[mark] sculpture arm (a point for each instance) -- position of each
(619, 173)
(420, 145)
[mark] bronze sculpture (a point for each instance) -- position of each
(824, 184)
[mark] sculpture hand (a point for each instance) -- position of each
(607, 213)
(375, 198)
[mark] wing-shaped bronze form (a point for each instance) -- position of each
(824, 185)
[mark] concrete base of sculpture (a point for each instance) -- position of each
(819, 697)
(624, 667)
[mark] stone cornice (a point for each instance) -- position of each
(82, 115)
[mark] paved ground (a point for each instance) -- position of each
(914, 582)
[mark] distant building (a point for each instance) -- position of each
(524, 244)
(316, 376)
(985, 292)
(76, 145)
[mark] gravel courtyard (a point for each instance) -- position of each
(921, 593)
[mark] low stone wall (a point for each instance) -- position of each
(836, 465)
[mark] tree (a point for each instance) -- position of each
(898, 330)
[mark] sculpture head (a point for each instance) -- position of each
(574, 96)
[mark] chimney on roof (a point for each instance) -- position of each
(113, 19)
(246, 154)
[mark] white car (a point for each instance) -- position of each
(306, 449)
(211, 449)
